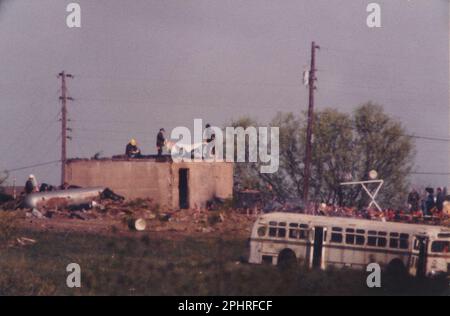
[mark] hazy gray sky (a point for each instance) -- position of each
(141, 65)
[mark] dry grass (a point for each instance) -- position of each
(8, 226)
(151, 265)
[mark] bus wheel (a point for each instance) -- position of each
(396, 268)
(287, 259)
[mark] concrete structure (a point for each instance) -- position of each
(172, 185)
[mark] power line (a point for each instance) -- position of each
(430, 138)
(33, 166)
(432, 173)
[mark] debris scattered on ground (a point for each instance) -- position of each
(137, 224)
(97, 207)
(37, 214)
(24, 241)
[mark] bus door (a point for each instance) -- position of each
(317, 247)
(418, 265)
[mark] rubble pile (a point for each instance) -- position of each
(145, 215)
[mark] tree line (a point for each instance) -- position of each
(346, 147)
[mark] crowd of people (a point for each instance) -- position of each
(432, 206)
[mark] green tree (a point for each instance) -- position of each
(333, 155)
(382, 145)
(345, 147)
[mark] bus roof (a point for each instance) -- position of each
(349, 222)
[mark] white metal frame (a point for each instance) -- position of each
(371, 195)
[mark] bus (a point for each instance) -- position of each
(322, 242)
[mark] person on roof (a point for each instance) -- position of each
(132, 150)
(31, 185)
(160, 141)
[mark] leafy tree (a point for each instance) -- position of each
(382, 145)
(345, 147)
(333, 155)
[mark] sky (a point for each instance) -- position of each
(145, 64)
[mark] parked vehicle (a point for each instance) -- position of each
(322, 242)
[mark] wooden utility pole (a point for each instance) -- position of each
(309, 130)
(64, 99)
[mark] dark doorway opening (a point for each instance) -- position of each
(183, 188)
(318, 245)
(422, 260)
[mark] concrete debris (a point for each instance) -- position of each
(137, 224)
(24, 241)
(108, 194)
(37, 214)
(146, 215)
(215, 204)
(78, 215)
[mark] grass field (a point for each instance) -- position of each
(171, 265)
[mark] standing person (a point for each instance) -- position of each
(31, 185)
(440, 198)
(414, 200)
(429, 201)
(160, 141)
(210, 137)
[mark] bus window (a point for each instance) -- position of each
(393, 243)
(273, 232)
(382, 242)
(298, 233)
(353, 238)
(394, 240)
(336, 235)
(404, 241)
(360, 239)
(397, 241)
(376, 241)
(276, 231)
(350, 236)
(440, 246)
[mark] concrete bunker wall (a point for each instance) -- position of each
(156, 180)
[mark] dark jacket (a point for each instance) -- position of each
(414, 200)
(160, 140)
(29, 187)
(429, 203)
(132, 150)
(440, 198)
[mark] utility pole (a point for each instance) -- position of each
(309, 130)
(64, 128)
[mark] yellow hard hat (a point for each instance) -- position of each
(133, 142)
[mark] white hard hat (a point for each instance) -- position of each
(31, 176)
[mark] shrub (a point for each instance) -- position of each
(8, 226)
